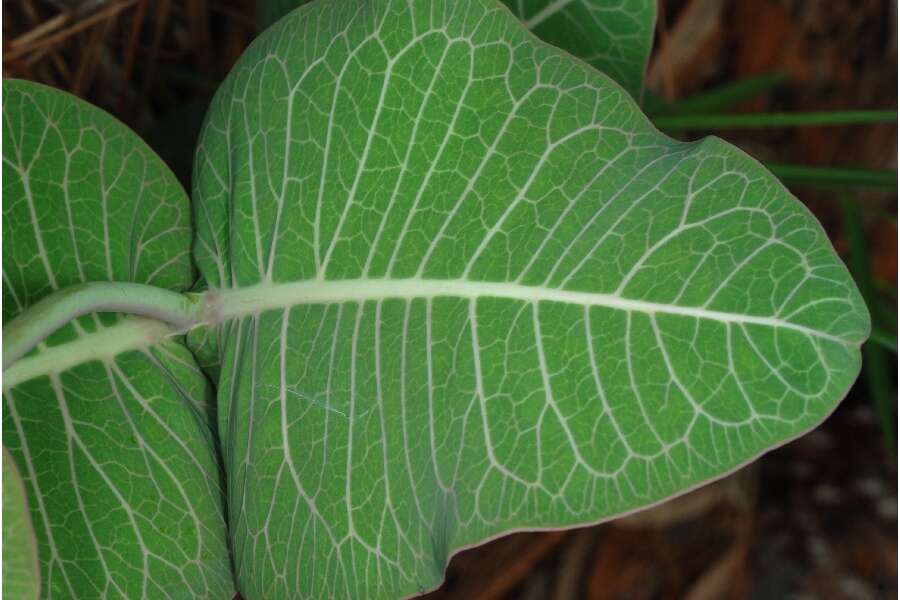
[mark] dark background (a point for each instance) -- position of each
(814, 519)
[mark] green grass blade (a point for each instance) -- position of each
(884, 339)
(727, 95)
(831, 177)
(874, 358)
(773, 120)
(876, 375)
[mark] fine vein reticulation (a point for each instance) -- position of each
(614, 36)
(465, 288)
(107, 420)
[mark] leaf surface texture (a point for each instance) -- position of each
(614, 36)
(467, 289)
(21, 575)
(109, 419)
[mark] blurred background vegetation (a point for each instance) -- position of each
(814, 519)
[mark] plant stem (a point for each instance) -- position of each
(774, 120)
(49, 314)
(830, 177)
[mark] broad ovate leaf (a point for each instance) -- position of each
(614, 36)
(108, 420)
(21, 572)
(465, 288)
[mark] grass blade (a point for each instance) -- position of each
(774, 120)
(831, 177)
(884, 339)
(727, 95)
(874, 357)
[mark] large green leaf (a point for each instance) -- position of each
(21, 575)
(108, 421)
(466, 288)
(615, 36)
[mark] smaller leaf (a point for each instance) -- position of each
(110, 420)
(21, 577)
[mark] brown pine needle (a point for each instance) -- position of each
(106, 13)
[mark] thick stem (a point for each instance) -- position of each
(43, 318)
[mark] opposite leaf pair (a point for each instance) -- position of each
(455, 285)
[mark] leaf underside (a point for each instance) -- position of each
(613, 36)
(21, 577)
(467, 289)
(115, 447)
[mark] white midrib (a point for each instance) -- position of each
(222, 305)
(105, 344)
(238, 302)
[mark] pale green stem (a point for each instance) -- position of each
(46, 316)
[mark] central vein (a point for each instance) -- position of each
(238, 302)
(216, 306)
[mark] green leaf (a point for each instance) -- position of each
(466, 288)
(21, 572)
(109, 419)
(84, 199)
(614, 36)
